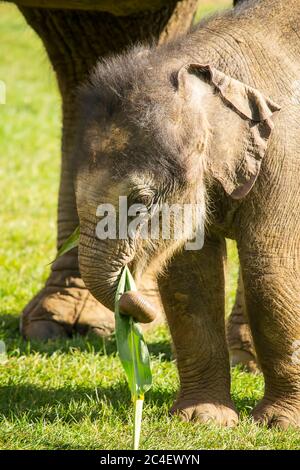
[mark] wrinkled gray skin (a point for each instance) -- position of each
(180, 123)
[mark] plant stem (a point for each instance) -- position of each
(138, 410)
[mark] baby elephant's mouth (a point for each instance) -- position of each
(132, 303)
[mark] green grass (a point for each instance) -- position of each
(210, 6)
(72, 394)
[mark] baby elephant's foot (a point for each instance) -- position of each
(278, 413)
(63, 307)
(222, 414)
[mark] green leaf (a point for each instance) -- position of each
(71, 242)
(132, 347)
(133, 353)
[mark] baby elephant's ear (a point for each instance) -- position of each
(248, 101)
(238, 173)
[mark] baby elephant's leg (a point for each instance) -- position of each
(273, 305)
(192, 291)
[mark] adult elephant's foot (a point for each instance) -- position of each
(239, 338)
(240, 344)
(279, 413)
(221, 414)
(64, 307)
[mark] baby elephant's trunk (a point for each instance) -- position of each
(134, 304)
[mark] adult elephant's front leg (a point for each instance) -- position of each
(75, 41)
(192, 291)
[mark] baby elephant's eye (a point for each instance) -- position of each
(145, 197)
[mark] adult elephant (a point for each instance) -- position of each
(75, 40)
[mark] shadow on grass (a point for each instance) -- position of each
(244, 405)
(9, 333)
(9, 326)
(73, 404)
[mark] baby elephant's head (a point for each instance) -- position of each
(152, 134)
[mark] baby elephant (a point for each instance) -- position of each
(210, 120)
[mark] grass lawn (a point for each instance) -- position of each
(72, 394)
